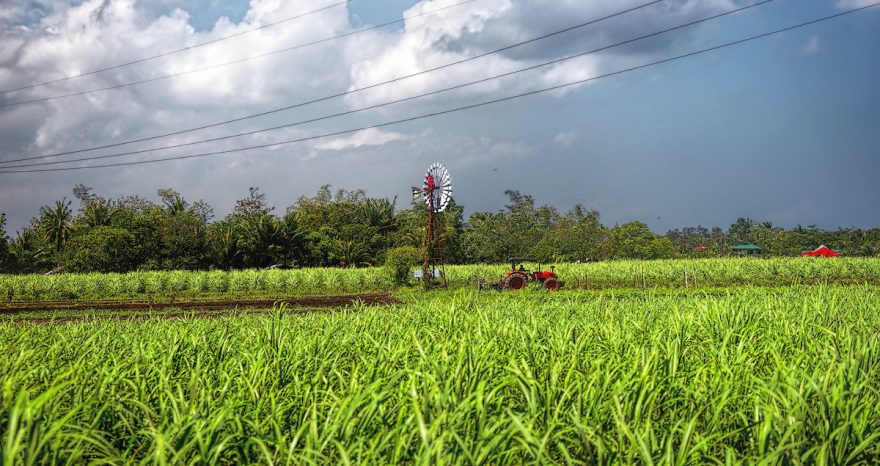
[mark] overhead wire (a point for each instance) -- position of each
(231, 62)
(384, 104)
(344, 93)
(457, 109)
(184, 49)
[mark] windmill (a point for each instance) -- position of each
(437, 192)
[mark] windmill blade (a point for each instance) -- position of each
(440, 192)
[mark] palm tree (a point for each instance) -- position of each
(350, 253)
(378, 213)
(98, 212)
(228, 247)
(55, 223)
(265, 239)
(29, 250)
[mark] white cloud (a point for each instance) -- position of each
(460, 33)
(812, 46)
(565, 138)
(849, 4)
(367, 137)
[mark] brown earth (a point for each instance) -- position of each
(314, 302)
(124, 317)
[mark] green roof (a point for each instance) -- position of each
(746, 247)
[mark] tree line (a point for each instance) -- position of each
(350, 229)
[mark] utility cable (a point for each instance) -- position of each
(340, 94)
(384, 104)
(172, 52)
(457, 109)
(231, 62)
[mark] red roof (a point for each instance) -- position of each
(822, 251)
(700, 247)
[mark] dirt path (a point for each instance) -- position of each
(122, 317)
(313, 302)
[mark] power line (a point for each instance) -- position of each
(224, 64)
(459, 86)
(172, 52)
(457, 109)
(340, 94)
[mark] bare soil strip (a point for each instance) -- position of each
(123, 317)
(370, 299)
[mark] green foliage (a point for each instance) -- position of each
(104, 248)
(751, 377)
(347, 229)
(350, 229)
(29, 251)
(181, 236)
(635, 240)
(5, 256)
(400, 262)
(54, 224)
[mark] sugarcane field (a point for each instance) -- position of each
(419, 232)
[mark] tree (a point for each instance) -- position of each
(95, 210)
(133, 214)
(55, 223)
(634, 240)
(5, 258)
(223, 250)
(263, 241)
(252, 237)
(350, 253)
(519, 228)
(741, 230)
(29, 252)
(346, 228)
(180, 227)
(102, 249)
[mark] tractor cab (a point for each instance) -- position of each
(518, 277)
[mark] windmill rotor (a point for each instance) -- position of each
(437, 188)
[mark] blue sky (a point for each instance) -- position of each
(781, 129)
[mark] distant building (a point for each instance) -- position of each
(821, 251)
(751, 249)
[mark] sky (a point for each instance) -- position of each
(781, 129)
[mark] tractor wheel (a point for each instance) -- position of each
(551, 284)
(515, 281)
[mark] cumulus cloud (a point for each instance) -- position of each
(565, 138)
(812, 45)
(458, 34)
(367, 137)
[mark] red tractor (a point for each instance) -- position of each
(520, 277)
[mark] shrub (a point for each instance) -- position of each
(400, 261)
(103, 249)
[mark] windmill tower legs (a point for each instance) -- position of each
(433, 271)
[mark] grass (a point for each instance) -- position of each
(724, 272)
(752, 375)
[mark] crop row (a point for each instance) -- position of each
(781, 376)
(613, 274)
